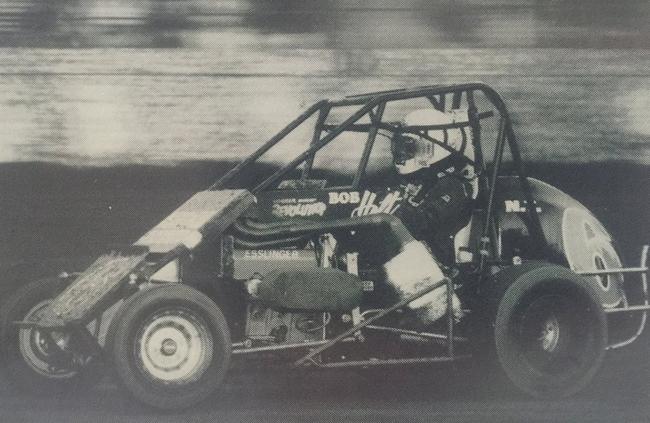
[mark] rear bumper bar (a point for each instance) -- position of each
(643, 307)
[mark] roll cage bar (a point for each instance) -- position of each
(373, 105)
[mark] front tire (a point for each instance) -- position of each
(26, 354)
(170, 346)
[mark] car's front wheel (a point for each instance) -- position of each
(36, 361)
(170, 346)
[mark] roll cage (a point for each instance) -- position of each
(373, 105)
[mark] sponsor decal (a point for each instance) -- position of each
(370, 205)
(344, 197)
(273, 254)
(298, 207)
(516, 206)
(589, 247)
(368, 202)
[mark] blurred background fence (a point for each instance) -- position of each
(322, 23)
(138, 81)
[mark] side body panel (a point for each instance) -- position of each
(573, 233)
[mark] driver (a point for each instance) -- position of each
(438, 186)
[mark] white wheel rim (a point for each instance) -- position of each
(174, 346)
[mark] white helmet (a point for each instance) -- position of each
(412, 152)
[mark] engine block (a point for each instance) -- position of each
(267, 326)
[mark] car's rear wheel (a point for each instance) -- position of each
(170, 346)
(550, 332)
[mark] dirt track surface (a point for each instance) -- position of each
(620, 393)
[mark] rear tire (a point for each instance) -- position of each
(24, 352)
(170, 346)
(549, 328)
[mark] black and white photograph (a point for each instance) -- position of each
(324, 211)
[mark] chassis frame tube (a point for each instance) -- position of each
(268, 145)
(425, 335)
(391, 362)
(350, 332)
(241, 351)
(371, 100)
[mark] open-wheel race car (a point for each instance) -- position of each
(418, 251)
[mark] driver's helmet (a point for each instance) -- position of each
(412, 152)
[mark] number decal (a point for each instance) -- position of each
(588, 247)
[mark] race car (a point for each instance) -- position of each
(386, 239)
